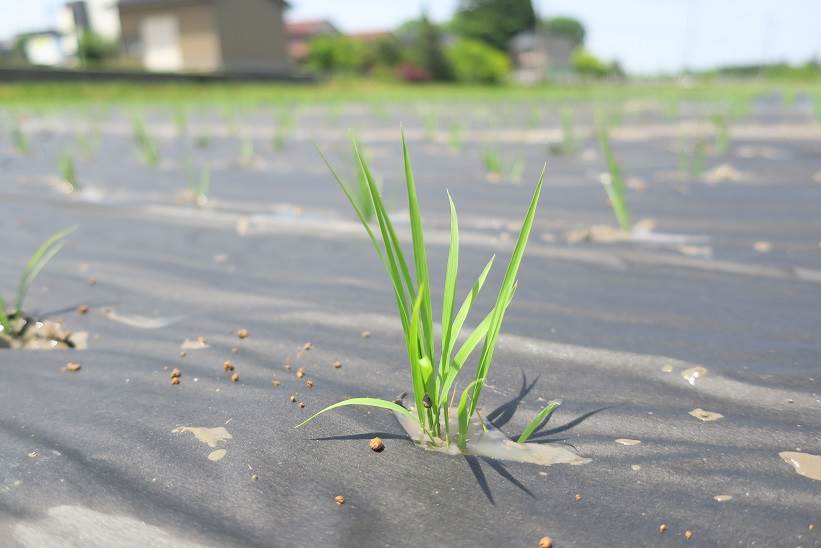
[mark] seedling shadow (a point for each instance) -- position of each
(498, 417)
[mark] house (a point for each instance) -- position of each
(80, 16)
(300, 34)
(539, 56)
(205, 35)
(44, 48)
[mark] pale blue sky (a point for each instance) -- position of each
(648, 36)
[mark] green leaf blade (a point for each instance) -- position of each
(370, 402)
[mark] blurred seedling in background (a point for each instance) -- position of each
(148, 146)
(613, 182)
(14, 322)
(492, 163)
(721, 124)
(246, 153)
(455, 137)
(181, 120)
(691, 158)
(199, 184)
(534, 117)
(283, 126)
(68, 171)
(430, 122)
(567, 146)
(18, 136)
(433, 376)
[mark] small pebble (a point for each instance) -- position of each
(183, 354)
(302, 405)
(175, 380)
(275, 382)
(366, 334)
(292, 399)
(234, 349)
(254, 477)
(811, 527)
(176, 373)
(235, 377)
(578, 498)
(227, 365)
(309, 383)
(92, 281)
(339, 499)
(663, 528)
(242, 333)
(307, 346)
(545, 542)
(337, 364)
(300, 372)
(82, 309)
(688, 534)
(72, 367)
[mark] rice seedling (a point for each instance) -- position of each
(430, 122)
(697, 159)
(455, 137)
(246, 153)
(434, 375)
(13, 322)
(361, 193)
(202, 141)
(568, 135)
(18, 137)
(199, 185)
(68, 171)
(534, 117)
(181, 120)
(614, 182)
(148, 147)
(517, 169)
(283, 126)
(492, 162)
(721, 124)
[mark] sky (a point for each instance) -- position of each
(646, 36)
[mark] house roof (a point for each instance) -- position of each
(138, 3)
(300, 29)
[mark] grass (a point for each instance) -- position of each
(13, 322)
(434, 374)
(614, 184)
(68, 171)
(145, 142)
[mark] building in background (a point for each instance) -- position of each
(300, 34)
(42, 48)
(100, 17)
(539, 56)
(205, 35)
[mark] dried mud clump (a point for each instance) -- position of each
(376, 444)
(31, 334)
(72, 367)
(339, 499)
(243, 333)
(545, 542)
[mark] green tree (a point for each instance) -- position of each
(475, 62)
(336, 54)
(494, 21)
(423, 48)
(94, 50)
(587, 64)
(566, 27)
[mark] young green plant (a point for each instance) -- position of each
(199, 185)
(614, 182)
(434, 375)
(13, 322)
(148, 147)
(68, 171)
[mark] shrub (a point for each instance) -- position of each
(475, 62)
(587, 64)
(93, 49)
(336, 54)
